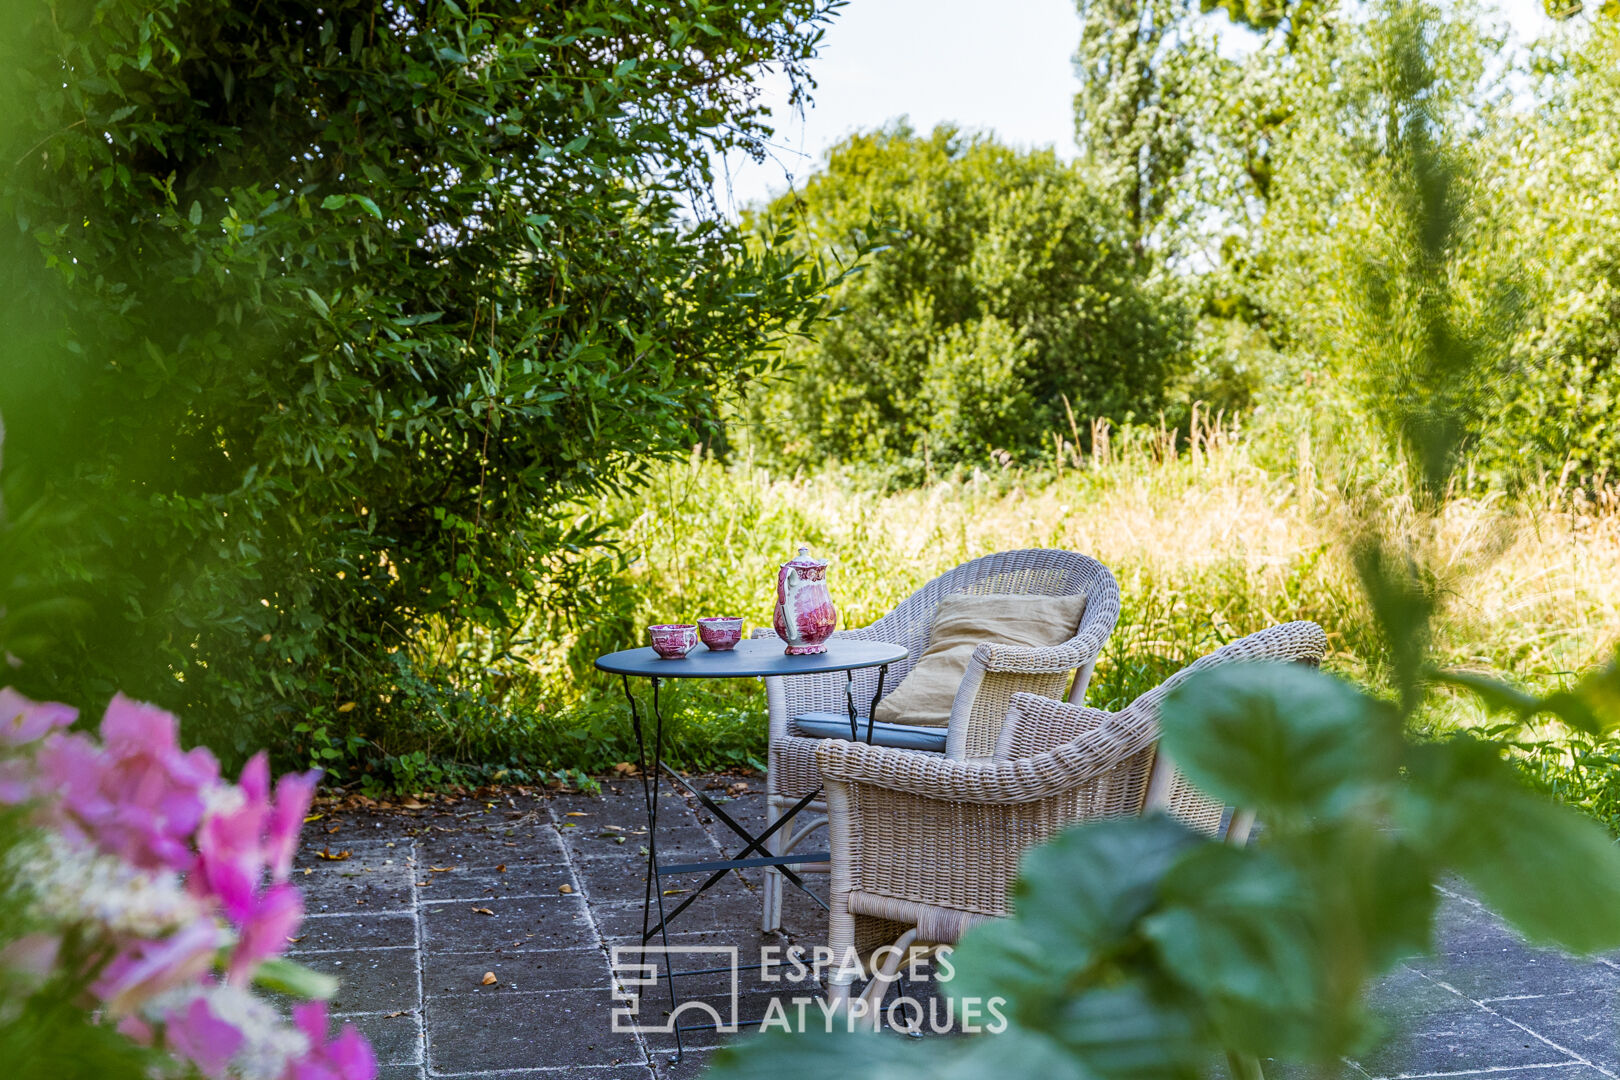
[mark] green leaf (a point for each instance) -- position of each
(333, 202)
(1552, 873)
(1498, 696)
(1235, 929)
(1074, 898)
(368, 205)
(1283, 740)
(195, 214)
(285, 977)
(1125, 1031)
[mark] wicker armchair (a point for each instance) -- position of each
(994, 674)
(924, 847)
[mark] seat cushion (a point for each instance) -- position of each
(835, 725)
(961, 624)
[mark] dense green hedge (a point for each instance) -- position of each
(315, 318)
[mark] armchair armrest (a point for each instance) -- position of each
(996, 672)
(1117, 737)
(1029, 659)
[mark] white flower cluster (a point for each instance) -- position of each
(71, 884)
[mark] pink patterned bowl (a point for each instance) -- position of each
(720, 632)
(673, 641)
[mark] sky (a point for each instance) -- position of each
(999, 65)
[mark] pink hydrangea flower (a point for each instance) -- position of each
(347, 1057)
(16, 781)
(139, 796)
(24, 721)
(138, 803)
(274, 919)
(202, 1038)
(235, 846)
(294, 792)
(148, 968)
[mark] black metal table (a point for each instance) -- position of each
(752, 658)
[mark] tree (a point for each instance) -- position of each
(1007, 283)
(1146, 81)
(318, 317)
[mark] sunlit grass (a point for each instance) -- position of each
(1208, 544)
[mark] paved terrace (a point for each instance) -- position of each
(430, 901)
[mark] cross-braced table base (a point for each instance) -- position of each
(651, 775)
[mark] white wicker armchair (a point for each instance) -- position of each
(924, 847)
(994, 674)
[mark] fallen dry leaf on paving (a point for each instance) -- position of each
(390, 1016)
(333, 829)
(423, 884)
(501, 869)
(327, 853)
(627, 768)
(565, 888)
(575, 813)
(308, 870)
(673, 892)
(439, 869)
(489, 979)
(296, 940)
(412, 804)
(313, 817)
(736, 789)
(482, 911)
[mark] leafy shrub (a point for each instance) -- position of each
(1008, 282)
(317, 317)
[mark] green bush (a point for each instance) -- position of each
(318, 318)
(1010, 283)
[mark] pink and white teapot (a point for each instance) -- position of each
(805, 615)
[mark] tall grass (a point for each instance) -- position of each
(1210, 535)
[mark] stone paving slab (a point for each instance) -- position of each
(413, 908)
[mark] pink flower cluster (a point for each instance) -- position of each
(136, 797)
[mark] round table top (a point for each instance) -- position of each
(752, 657)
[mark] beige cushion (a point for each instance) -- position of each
(962, 622)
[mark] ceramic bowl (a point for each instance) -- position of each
(673, 641)
(720, 632)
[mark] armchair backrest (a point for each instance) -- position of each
(1170, 791)
(1031, 572)
(1119, 751)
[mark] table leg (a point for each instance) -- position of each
(871, 715)
(654, 892)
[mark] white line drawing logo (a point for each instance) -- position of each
(633, 977)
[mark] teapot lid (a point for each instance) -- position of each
(803, 561)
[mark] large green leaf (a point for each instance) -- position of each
(1075, 899)
(863, 1056)
(1281, 739)
(1236, 929)
(1132, 1031)
(1552, 873)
